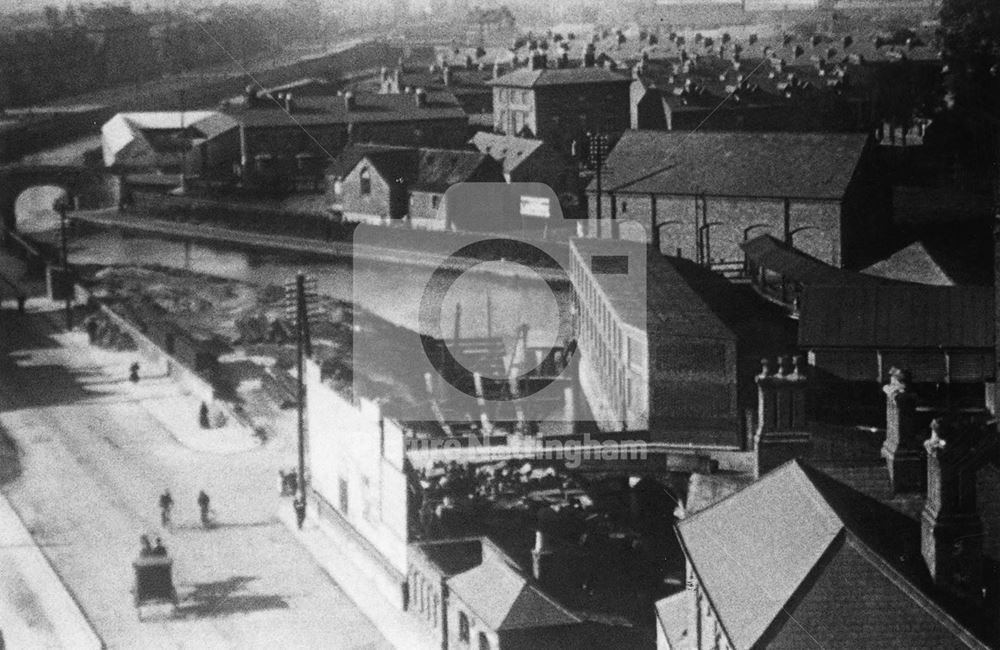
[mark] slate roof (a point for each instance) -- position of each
(797, 560)
(498, 593)
(671, 306)
(961, 255)
(426, 170)
(762, 165)
(527, 78)
(509, 150)
(439, 169)
(896, 316)
(369, 107)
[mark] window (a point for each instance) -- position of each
(463, 627)
(366, 181)
(435, 201)
(518, 122)
(484, 643)
(624, 207)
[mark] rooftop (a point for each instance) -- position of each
(527, 78)
(507, 149)
(798, 560)
(420, 169)
(500, 595)
(896, 316)
(764, 165)
(368, 107)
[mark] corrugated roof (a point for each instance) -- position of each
(796, 560)
(802, 165)
(369, 107)
(887, 316)
(527, 78)
(499, 595)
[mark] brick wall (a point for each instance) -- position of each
(382, 201)
(822, 239)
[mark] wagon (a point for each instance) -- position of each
(154, 582)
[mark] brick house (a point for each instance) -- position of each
(560, 105)
(299, 136)
(375, 184)
(707, 192)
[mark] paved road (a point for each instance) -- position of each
(96, 452)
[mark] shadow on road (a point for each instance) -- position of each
(10, 458)
(220, 598)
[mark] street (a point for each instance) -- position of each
(95, 453)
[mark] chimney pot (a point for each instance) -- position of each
(289, 103)
(349, 101)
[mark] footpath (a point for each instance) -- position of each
(36, 609)
(344, 563)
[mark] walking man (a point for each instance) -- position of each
(166, 503)
(203, 503)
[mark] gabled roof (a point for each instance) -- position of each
(886, 316)
(499, 595)
(439, 169)
(507, 149)
(426, 170)
(796, 560)
(960, 255)
(368, 107)
(527, 78)
(765, 165)
(161, 131)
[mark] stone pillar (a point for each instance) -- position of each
(541, 558)
(902, 451)
(951, 531)
(781, 427)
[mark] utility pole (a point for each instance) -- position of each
(298, 296)
(597, 144)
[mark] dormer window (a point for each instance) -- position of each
(366, 181)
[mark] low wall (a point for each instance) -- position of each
(161, 362)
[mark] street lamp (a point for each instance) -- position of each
(749, 229)
(791, 233)
(60, 205)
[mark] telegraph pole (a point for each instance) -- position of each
(298, 296)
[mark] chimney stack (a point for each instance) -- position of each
(902, 451)
(421, 98)
(446, 75)
(496, 69)
(542, 558)
(951, 530)
(589, 57)
(349, 101)
(781, 432)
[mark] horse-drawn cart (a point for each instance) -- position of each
(154, 582)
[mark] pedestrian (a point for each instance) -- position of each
(159, 549)
(203, 416)
(146, 548)
(203, 503)
(300, 510)
(282, 483)
(166, 503)
(134, 373)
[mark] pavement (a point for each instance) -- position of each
(94, 451)
(346, 564)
